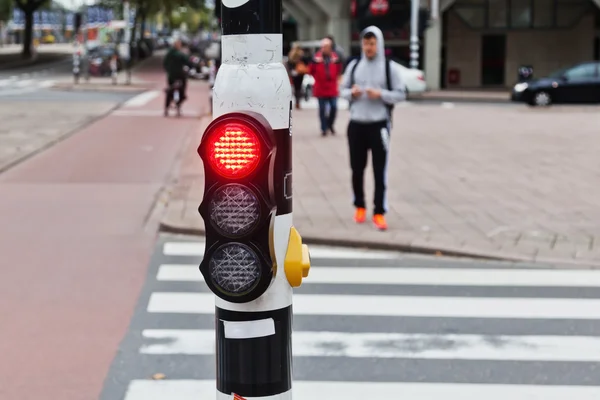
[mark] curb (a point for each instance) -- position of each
(100, 88)
(473, 100)
(407, 248)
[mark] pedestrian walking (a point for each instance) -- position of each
(326, 69)
(338, 49)
(297, 67)
(373, 85)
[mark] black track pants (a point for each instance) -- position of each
(363, 137)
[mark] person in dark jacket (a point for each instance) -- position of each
(297, 66)
(174, 64)
(326, 70)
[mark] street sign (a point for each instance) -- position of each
(379, 7)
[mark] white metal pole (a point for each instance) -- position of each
(414, 33)
(435, 9)
(127, 39)
(85, 22)
(126, 12)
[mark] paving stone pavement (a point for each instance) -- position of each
(27, 128)
(507, 182)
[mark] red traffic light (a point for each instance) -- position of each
(235, 145)
(233, 149)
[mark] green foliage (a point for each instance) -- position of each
(6, 7)
(30, 6)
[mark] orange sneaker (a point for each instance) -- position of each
(360, 215)
(379, 221)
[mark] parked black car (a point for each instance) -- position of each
(576, 84)
(100, 58)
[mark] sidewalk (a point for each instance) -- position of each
(496, 182)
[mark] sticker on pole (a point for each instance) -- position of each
(234, 3)
(237, 397)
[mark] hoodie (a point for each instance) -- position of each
(371, 74)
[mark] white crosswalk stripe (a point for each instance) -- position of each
(23, 84)
(418, 291)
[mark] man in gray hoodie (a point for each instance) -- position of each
(365, 84)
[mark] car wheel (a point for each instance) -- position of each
(542, 99)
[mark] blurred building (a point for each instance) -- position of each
(472, 44)
(483, 42)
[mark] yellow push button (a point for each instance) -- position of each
(297, 259)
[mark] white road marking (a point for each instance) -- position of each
(399, 306)
(196, 249)
(323, 390)
(46, 84)
(395, 345)
(142, 99)
(419, 276)
(26, 82)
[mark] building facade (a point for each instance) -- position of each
(485, 41)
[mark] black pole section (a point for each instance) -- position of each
(255, 367)
(254, 17)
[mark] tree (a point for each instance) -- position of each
(5, 10)
(28, 7)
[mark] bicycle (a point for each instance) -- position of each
(174, 89)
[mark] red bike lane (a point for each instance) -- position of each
(77, 231)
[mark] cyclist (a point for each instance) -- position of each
(174, 64)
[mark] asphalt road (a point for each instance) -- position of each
(61, 64)
(380, 325)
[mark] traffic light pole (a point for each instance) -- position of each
(253, 273)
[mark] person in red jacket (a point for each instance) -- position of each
(326, 68)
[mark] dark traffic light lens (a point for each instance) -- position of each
(234, 209)
(235, 268)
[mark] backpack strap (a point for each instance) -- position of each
(388, 78)
(352, 71)
(388, 67)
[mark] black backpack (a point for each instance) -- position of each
(388, 63)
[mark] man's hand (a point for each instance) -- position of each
(374, 93)
(356, 91)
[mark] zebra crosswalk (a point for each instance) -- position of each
(16, 85)
(374, 324)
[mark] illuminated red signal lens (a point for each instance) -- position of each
(234, 150)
